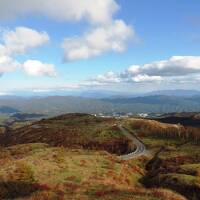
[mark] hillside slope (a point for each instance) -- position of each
(73, 131)
(40, 172)
(73, 156)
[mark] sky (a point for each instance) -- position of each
(117, 45)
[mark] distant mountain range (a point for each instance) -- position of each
(114, 94)
(175, 93)
(156, 102)
(8, 110)
(75, 93)
(99, 94)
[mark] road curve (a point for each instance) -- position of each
(140, 148)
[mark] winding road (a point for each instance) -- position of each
(140, 148)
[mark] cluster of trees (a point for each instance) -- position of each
(157, 129)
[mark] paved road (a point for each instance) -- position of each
(140, 148)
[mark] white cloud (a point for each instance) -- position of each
(4, 93)
(111, 37)
(112, 78)
(106, 33)
(177, 69)
(109, 77)
(66, 87)
(21, 40)
(38, 90)
(95, 11)
(174, 66)
(146, 78)
(37, 68)
(7, 64)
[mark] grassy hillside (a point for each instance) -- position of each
(41, 172)
(74, 131)
(73, 156)
(176, 158)
(162, 130)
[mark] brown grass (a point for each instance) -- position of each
(163, 130)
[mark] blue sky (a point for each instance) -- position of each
(130, 45)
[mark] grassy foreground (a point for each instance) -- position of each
(38, 171)
(74, 157)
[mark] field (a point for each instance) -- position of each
(75, 156)
(38, 171)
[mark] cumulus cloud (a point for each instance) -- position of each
(21, 40)
(174, 66)
(37, 68)
(112, 37)
(109, 77)
(175, 69)
(112, 78)
(98, 11)
(106, 33)
(7, 64)
(146, 78)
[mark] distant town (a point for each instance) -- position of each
(126, 115)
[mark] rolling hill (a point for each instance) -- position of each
(73, 131)
(73, 156)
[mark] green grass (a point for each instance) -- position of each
(177, 166)
(190, 169)
(62, 173)
(3, 117)
(180, 180)
(173, 147)
(87, 125)
(73, 131)
(40, 171)
(21, 124)
(54, 166)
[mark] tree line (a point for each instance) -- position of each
(174, 131)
